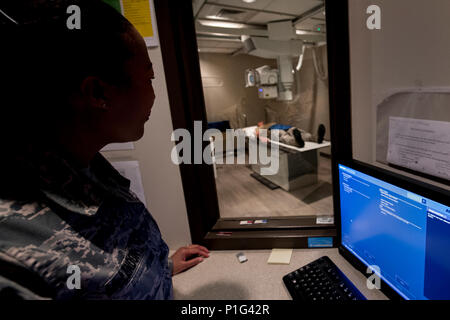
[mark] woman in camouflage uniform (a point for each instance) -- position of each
(63, 208)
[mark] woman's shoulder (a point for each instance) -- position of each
(24, 226)
(23, 223)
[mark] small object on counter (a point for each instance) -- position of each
(241, 257)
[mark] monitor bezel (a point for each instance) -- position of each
(395, 179)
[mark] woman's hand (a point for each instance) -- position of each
(187, 257)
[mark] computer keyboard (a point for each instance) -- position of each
(321, 280)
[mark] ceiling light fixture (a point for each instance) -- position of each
(216, 18)
(309, 33)
(301, 32)
(249, 1)
(221, 24)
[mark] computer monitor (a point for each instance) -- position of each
(405, 235)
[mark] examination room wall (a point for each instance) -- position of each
(226, 97)
(410, 52)
(227, 93)
(161, 178)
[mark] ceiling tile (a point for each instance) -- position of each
(218, 44)
(258, 4)
(216, 50)
(320, 16)
(211, 12)
(296, 7)
(232, 45)
(292, 7)
(264, 18)
(311, 25)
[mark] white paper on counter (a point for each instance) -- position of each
(130, 170)
(420, 145)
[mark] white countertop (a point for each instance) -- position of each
(223, 277)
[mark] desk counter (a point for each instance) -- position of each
(223, 277)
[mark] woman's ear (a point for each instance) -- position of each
(93, 92)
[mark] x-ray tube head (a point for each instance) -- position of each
(267, 76)
(251, 78)
(262, 76)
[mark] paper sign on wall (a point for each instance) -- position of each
(420, 145)
(141, 14)
(119, 146)
(130, 170)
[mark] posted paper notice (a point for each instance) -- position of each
(141, 14)
(118, 146)
(420, 145)
(130, 170)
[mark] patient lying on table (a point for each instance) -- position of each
(292, 135)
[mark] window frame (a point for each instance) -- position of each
(182, 69)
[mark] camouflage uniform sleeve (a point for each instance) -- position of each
(10, 290)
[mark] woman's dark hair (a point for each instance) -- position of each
(42, 61)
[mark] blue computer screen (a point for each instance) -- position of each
(402, 233)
